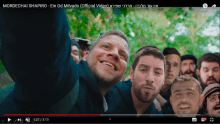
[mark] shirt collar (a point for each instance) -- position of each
(105, 104)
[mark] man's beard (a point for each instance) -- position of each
(205, 84)
(189, 72)
(145, 98)
(105, 81)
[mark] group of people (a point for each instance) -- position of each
(52, 73)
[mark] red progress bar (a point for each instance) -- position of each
(51, 114)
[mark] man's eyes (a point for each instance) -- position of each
(190, 94)
(122, 55)
(106, 46)
(143, 70)
(75, 53)
(158, 73)
(191, 64)
(216, 69)
(177, 95)
(175, 65)
(184, 64)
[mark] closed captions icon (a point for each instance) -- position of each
(205, 5)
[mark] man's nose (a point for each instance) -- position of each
(210, 73)
(184, 98)
(170, 68)
(150, 77)
(114, 53)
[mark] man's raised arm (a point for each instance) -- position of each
(36, 53)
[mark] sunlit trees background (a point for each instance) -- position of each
(182, 28)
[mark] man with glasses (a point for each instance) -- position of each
(212, 100)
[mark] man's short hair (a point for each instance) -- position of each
(189, 57)
(217, 53)
(168, 51)
(73, 42)
(111, 32)
(148, 50)
(183, 78)
(208, 57)
(84, 42)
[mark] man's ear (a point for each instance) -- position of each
(131, 74)
(85, 55)
(164, 78)
(122, 77)
(170, 100)
(198, 72)
(201, 99)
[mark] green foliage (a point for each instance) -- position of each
(146, 27)
(2, 69)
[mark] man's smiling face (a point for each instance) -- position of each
(108, 60)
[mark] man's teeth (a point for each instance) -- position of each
(109, 64)
(217, 108)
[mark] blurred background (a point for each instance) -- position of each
(191, 30)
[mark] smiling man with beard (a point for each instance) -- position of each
(147, 76)
(212, 100)
(188, 65)
(208, 69)
(186, 96)
(60, 85)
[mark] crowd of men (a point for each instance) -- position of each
(56, 74)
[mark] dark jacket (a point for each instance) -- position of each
(37, 47)
(120, 101)
(167, 95)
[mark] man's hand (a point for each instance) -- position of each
(127, 78)
(157, 104)
(161, 100)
